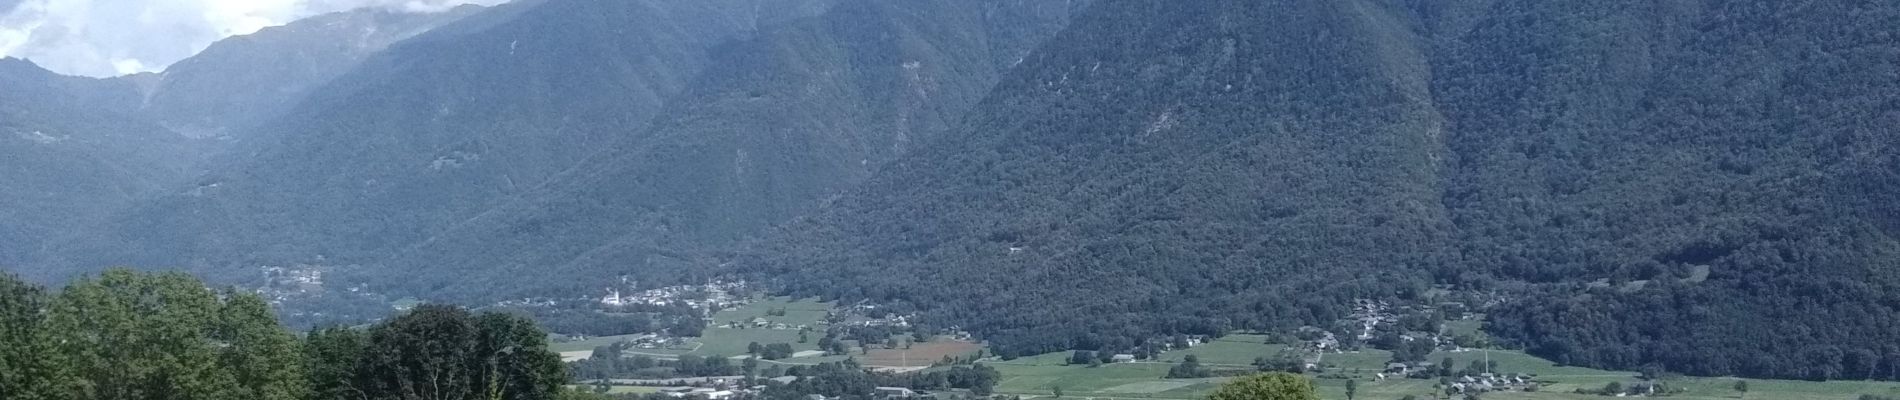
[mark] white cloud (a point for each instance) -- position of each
(116, 37)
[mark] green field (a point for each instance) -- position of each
(1230, 350)
(1038, 376)
(1473, 327)
(718, 340)
(733, 342)
(797, 312)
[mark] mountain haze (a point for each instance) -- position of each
(242, 80)
(71, 152)
(785, 120)
(430, 132)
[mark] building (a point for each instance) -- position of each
(899, 392)
(1397, 368)
(1123, 358)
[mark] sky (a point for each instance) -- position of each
(116, 37)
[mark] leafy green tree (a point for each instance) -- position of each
(425, 354)
(29, 369)
(1269, 386)
(331, 356)
(127, 335)
(1612, 388)
(520, 366)
(443, 352)
(1352, 389)
(266, 360)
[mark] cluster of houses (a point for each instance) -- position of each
(712, 296)
(1469, 383)
(1369, 314)
(283, 283)
(860, 315)
(1488, 382)
(762, 323)
(721, 388)
(651, 341)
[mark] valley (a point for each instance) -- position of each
(1042, 376)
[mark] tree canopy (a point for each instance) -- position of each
(1269, 386)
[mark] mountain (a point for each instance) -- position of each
(428, 133)
(1685, 185)
(83, 149)
(785, 120)
(243, 80)
(69, 154)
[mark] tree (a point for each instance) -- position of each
(265, 359)
(1352, 389)
(438, 351)
(1081, 357)
(1652, 372)
(1741, 385)
(1056, 390)
(1190, 367)
(1269, 386)
(29, 369)
(127, 335)
(330, 362)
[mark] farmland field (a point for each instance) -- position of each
(797, 312)
(1230, 350)
(718, 340)
(919, 354)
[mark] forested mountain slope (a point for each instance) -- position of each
(242, 80)
(1198, 166)
(429, 132)
(783, 121)
(1752, 139)
(1192, 166)
(69, 155)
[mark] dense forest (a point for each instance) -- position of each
(1704, 187)
(127, 335)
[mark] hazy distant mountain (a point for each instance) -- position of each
(777, 125)
(1646, 182)
(431, 132)
(242, 80)
(81, 149)
(70, 153)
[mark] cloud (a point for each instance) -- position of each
(117, 37)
